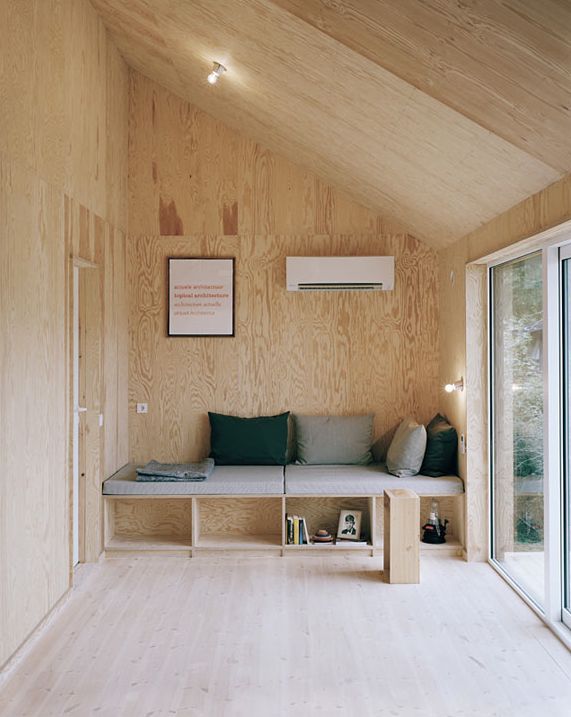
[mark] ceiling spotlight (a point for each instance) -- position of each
(217, 71)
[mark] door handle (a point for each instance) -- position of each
(80, 409)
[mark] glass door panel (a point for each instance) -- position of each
(517, 422)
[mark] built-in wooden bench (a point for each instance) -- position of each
(244, 508)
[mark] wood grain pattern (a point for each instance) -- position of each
(401, 548)
(139, 518)
(187, 171)
(115, 352)
(450, 507)
(487, 60)
(344, 354)
(85, 42)
(33, 110)
(63, 166)
(34, 508)
(319, 353)
(537, 213)
(289, 638)
(323, 512)
(63, 104)
(101, 248)
(236, 517)
(452, 320)
(477, 504)
(115, 139)
(391, 146)
(92, 398)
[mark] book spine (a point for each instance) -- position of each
(305, 532)
(295, 530)
(289, 529)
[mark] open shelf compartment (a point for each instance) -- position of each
(323, 512)
(148, 524)
(450, 507)
(238, 523)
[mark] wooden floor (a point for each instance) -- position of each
(149, 637)
(528, 570)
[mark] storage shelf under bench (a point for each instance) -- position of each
(253, 524)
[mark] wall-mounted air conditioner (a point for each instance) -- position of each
(340, 273)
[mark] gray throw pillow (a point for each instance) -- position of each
(407, 448)
(334, 439)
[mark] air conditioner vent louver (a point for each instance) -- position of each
(340, 273)
(340, 287)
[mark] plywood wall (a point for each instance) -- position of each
(63, 103)
(199, 189)
(63, 171)
(191, 174)
(461, 336)
(34, 546)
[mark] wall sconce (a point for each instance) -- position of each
(456, 386)
(217, 71)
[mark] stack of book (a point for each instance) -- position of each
(353, 543)
(296, 530)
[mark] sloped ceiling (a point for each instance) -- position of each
(438, 114)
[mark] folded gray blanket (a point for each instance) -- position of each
(170, 472)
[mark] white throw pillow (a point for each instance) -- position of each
(407, 448)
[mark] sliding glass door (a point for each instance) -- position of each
(516, 343)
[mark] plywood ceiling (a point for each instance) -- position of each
(439, 114)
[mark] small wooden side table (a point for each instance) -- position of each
(401, 548)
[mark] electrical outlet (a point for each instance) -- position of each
(462, 443)
(142, 408)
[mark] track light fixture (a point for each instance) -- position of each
(217, 71)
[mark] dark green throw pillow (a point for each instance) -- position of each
(441, 448)
(259, 441)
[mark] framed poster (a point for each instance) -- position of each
(201, 297)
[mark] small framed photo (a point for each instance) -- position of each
(349, 525)
(200, 297)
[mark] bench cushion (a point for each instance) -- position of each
(225, 480)
(363, 480)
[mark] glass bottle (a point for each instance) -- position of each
(434, 518)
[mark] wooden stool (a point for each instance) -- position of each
(401, 546)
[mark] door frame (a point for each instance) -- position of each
(555, 244)
(83, 298)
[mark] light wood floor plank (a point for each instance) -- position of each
(151, 637)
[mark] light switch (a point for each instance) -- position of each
(142, 408)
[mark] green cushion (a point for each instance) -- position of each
(407, 448)
(327, 440)
(441, 448)
(236, 441)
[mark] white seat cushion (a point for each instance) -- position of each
(363, 480)
(225, 480)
